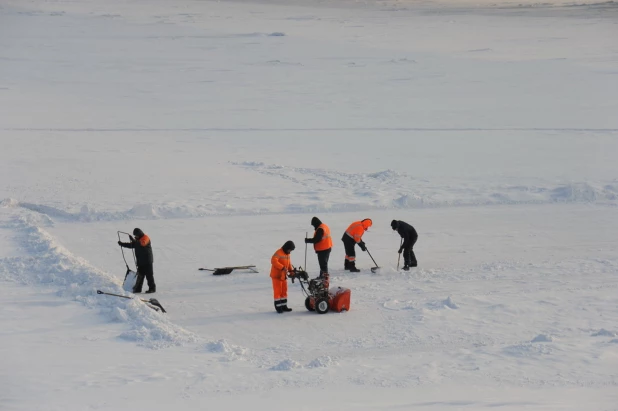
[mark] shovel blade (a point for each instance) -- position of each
(374, 269)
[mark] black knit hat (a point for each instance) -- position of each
(288, 246)
(315, 222)
(138, 233)
(394, 224)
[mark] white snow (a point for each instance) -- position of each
(221, 127)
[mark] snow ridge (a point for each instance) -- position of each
(50, 264)
(342, 192)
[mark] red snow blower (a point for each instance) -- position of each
(319, 298)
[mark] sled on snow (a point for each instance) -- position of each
(228, 270)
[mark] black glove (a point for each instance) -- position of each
(120, 243)
(400, 250)
(307, 240)
(362, 246)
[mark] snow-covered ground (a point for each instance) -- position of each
(221, 128)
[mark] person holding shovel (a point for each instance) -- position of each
(322, 244)
(408, 236)
(143, 254)
(352, 236)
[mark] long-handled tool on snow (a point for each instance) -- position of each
(399, 258)
(227, 270)
(376, 268)
(122, 250)
(150, 302)
(306, 234)
(130, 276)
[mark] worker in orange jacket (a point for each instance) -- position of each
(352, 236)
(322, 244)
(281, 268)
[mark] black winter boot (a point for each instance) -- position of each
(353, 268)
(406, 268)
(151, 291)
(278, 308)
(286, 309)
(346, 266)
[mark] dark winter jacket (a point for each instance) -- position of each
(143, 250)
(319, 233)
(408, 233)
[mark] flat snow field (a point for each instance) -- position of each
(222, 127)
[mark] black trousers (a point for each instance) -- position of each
(408, 254)
(145, 270)
(350, 252)
(323, 257)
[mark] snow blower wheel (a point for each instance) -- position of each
(321, 305)
(308, 304)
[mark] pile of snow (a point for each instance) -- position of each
(74, 278)
(604, 333)
(322, 362)
(542, 338)
(528, 350)
(286, 365)
(233, 352)
(448, 303)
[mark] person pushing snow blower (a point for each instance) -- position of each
(352, 236)
(281, 268)
(322, 244)
(143, 254)
(408, 237)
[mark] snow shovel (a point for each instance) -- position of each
(376, 268)
(150, 302)
(399, 258)
(228, 270)
(130, 277)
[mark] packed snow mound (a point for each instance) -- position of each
(286, 365)
(576, 192)
(338, 192)
(529, 350)
(448, 303)
(222, 346)
(604, 333)
(542, 338)
(49, 264)
(322, 362)
(9, 203)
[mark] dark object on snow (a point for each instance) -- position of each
(152, 303)
(228, 270)
(409, 236)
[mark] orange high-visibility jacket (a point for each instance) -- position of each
(326, 242)
(358, 228)
(281, 265)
